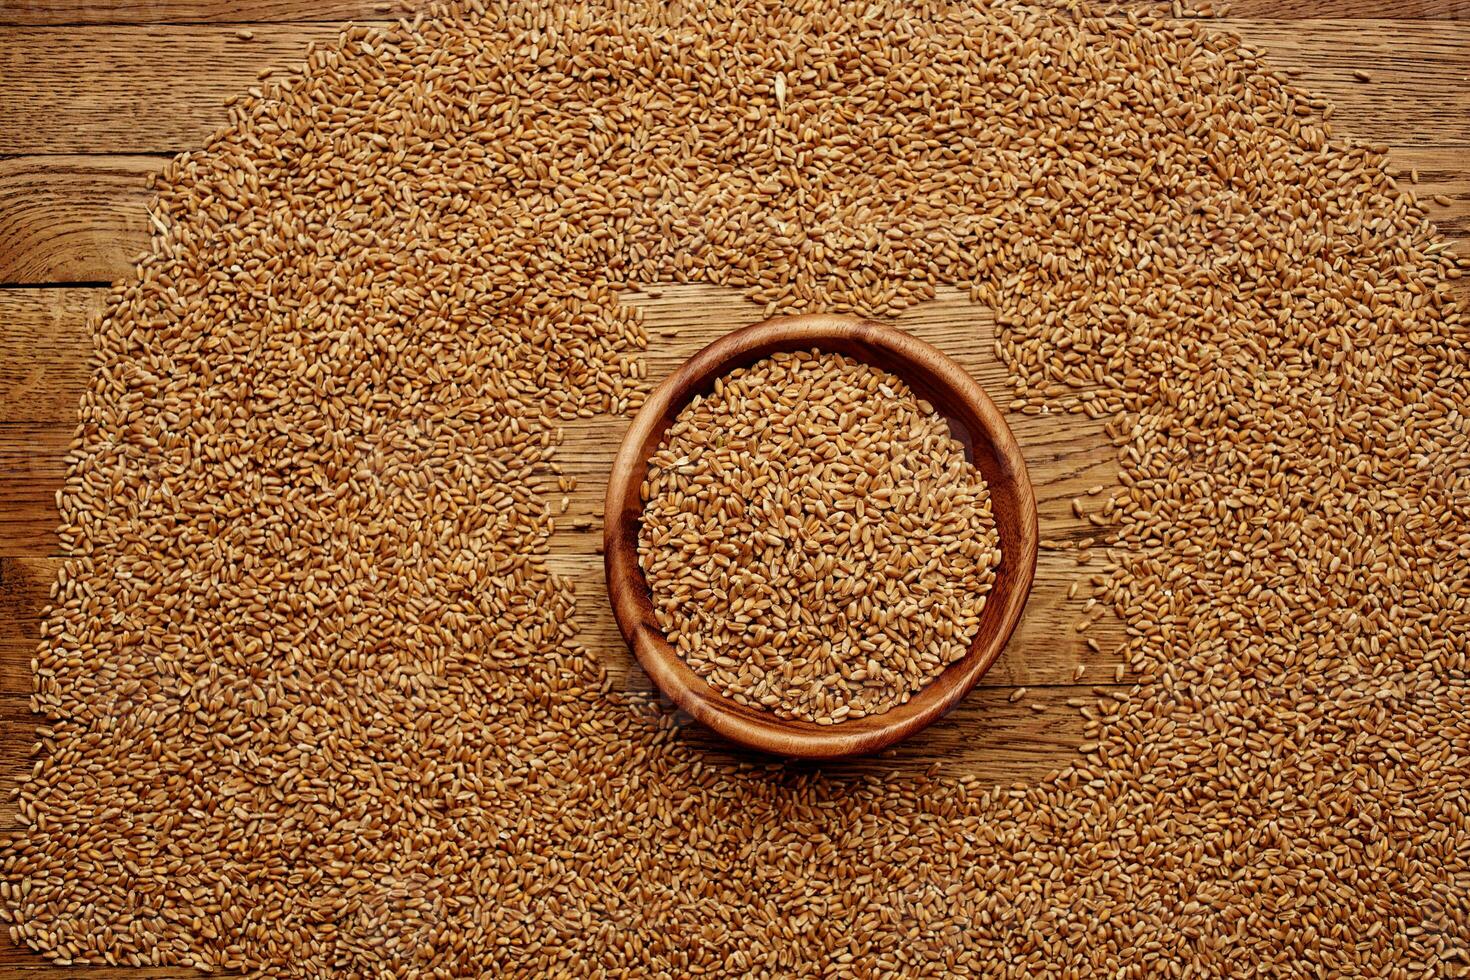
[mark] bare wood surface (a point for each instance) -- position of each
(84, 218)
(1415, 92)
(50, 13)
(133, 89)
(44, 13)
(127, 89)
(22, 964)
(44, 346)
(73, 219)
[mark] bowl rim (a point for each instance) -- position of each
(916, 361)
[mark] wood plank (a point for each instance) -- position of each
(44, 346)
(1352, 9)
(25, 589)
(1416, 94)
(73, 219)
(129, 89)
(1067, 455)
(42, 13)
(19, 963)
(84, 218)
(31, 472)
(22, 964)
(133, 89)
(1044, 651)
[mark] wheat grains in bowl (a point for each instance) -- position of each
(815, 540)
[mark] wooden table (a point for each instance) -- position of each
(96, 94)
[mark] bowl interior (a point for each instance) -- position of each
(974, 421)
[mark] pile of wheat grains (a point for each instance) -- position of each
(815, 540)
(315, 705)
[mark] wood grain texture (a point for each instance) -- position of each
(148, 89)
(73, 219)
(31, 460)
(22, 964)
(130, 89)
(43, 13)
(133, 89)
(84, 218)
(1428, 10)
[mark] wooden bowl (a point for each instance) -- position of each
(975, 422)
